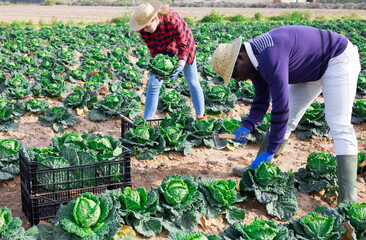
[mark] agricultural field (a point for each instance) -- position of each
(85, 77)
(87, 14)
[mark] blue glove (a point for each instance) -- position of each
(157, 78)
(264, 157)
(179, 69)
(239, 134)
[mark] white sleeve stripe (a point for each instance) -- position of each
(268, 40)
(265, 43)
(262, 42)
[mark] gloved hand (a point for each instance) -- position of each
(264, 157)
(239, 134)
(179, 69)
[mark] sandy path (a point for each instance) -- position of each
(47, 14)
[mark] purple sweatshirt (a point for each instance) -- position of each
(287, 55)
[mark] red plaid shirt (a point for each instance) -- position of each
(172, 37)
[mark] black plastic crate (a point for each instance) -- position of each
(42, 207)
(44, 188)
(125, 125)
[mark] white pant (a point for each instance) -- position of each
(338, 84)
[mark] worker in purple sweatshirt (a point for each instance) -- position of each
(289, 67)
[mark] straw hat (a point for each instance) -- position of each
(224, 58)
(143, 14)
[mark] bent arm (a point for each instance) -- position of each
(260, 103)
(275, 72)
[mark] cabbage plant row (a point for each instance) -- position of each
(56, 62)
(177, 132)
(176, 205)
(276, 189)
(101, 216)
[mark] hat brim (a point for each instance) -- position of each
(235, 48)
(137, 27)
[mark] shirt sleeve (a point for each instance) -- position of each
(260, 103)
(276, 75)
(180, 36)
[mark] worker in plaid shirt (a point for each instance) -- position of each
(164, 31)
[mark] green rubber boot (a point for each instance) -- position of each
(263, 146)
(347, 174)
(237, 171)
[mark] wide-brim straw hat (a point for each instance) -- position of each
(224, 58)
(143, 14)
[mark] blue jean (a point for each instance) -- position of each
(191, 77)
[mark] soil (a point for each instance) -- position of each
(203, 161)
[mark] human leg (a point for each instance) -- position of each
(152, 97)
(191, 77)
(339, 89)
(301, 95)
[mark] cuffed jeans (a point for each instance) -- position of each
(191, 77)
(338, 85)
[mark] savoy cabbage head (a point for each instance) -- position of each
(114, 105)
(10, 111)
(219, 99)
(175, 139)
(178, 119)
(245, 92)
(37, 106)
(201, 131)
(257, 229)
(272, 187)
(322, 224)
(180, 203)
(361, 85)
(320, 173)
(138, 208)
(313, 123)
(144, 141)
(359, 111)
(59, 118)
(163, 66)
(228, 127)
(81, 98)
(16, 87)
(91, 217)
(220, 197)
(355, 213)
(9, 159)
(172, 101)
(11, 229)
(8, 224)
